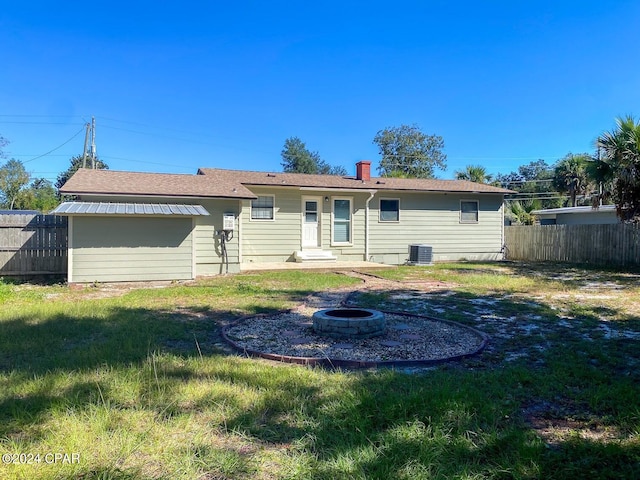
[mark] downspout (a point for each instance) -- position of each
(503, 240)
(239, 239)
(366, 227)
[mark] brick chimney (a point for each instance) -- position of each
(363, 170)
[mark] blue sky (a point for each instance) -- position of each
(179, 85)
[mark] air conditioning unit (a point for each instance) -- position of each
(420, 255)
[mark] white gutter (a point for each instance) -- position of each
(502, 232)
(366, 231)
(335, 189)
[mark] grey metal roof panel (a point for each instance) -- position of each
(95, 208)
(581, 209)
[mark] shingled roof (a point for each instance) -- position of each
(249, 178)
(111, 182)
(221, 183)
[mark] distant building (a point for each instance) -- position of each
(19, 212)
(605, 214)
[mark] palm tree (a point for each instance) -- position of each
(519, 211)
(601, 175)
(474, 173)
(620, 149)
(570, 175)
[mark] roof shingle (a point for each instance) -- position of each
(110, 182)
(334, 181)
(222, 183)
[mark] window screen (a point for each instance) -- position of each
(469, 211)
(389, 210)
(262, 208)
(342, 221)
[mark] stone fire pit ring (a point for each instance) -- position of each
(410, 341)
(354, 323)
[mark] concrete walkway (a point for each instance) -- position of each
(254, 267)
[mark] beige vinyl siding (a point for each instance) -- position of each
(434, 219)
(208, 248)
(277, 240)
(272, 240)
(120, 249)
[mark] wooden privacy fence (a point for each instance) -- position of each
(615, 244)
(33, 245)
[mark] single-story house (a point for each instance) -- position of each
(130, 226)
(604, 214)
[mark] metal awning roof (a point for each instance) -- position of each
(95, 208)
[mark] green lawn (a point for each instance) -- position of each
(105, 383)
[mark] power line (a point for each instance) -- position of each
(526, 181)
(145, 125)
(556, 197)
(31, 155)
(107, 157)
(59, 146)
(20, 115)
(33, 123)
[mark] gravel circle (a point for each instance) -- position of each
(409, 339)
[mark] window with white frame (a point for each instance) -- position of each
(341, 230)
(389, 210)
(262, 208)
(468, 211)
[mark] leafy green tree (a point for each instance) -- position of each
(13, 179)
(296, 158)
(407, 151)
(474, 173)
(40, 195)
(570, 176)
(75, 164)
(620, 150)
(326, 169)
(533, 183)
(536, 170)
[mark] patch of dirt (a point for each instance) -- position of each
(556, 424)
(558, 430)
(374, 282)
(117, 289)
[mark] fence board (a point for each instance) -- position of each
(616, 244)
(33, 245)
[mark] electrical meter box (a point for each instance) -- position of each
(228, 222)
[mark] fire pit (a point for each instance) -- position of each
(349, 323)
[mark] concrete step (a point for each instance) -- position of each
(320, 256)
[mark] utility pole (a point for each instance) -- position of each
(86, 146)
(93, 142)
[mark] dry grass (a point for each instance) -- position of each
(140, 385)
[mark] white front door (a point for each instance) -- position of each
(311, 222)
